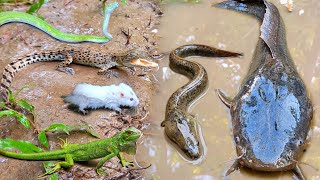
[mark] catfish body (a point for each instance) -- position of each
(271, 114)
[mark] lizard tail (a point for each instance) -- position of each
(42, 156)
(11, 69)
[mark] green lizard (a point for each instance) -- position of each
(106, 149)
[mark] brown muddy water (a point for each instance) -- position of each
(200, 23)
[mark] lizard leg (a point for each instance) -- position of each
(64, 164)
(64, 144)
(225, 100)
(100, 171)
(105, 70)
(124, 162)
(113, 152)
(63, 65)
(132, 70)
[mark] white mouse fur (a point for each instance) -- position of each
(87, 96)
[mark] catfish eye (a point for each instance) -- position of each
(131, 99)
(121, 94)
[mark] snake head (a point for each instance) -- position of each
(137, 58)
(180, 127)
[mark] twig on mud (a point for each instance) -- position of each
(128, 35)
(146, 38)
(68, 3)
(149, 23)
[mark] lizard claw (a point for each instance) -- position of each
(51, 171)
(108, 73)
(66, 70)
(69, 71)
(101, 172)
(128, 164)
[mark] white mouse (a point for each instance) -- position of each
(87, 96)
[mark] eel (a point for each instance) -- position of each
(21, 17)
(272, 113)
(180, 126)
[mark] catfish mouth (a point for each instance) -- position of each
(143, 63)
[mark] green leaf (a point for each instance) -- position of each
(68, 128)
(2, 104)
(23, 146)
(53, 176)
(91, 131)
(58, 127)
(124, 2)
(23, 120)
(43, 139)
(26, 105)
(1, 10)
(12, 97)
(35, 7)
(10, 113)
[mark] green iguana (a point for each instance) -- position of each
(106, 149)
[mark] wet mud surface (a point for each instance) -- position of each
(46, 86)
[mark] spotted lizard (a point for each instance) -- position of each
(130, 59)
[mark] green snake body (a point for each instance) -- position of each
(13, 16)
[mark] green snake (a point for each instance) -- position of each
(13, 16)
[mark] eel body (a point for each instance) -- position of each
(180, 125)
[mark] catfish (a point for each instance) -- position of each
(272, 113)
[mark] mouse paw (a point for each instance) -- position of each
(85, 112)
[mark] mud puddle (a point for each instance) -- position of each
(201, 23)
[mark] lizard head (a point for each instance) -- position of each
(137, 58)
(127, 140)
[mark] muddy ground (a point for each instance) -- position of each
(45, 85)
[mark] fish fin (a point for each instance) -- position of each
(226, 100)
(233, 167)
(254, 8)
(297, 171)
